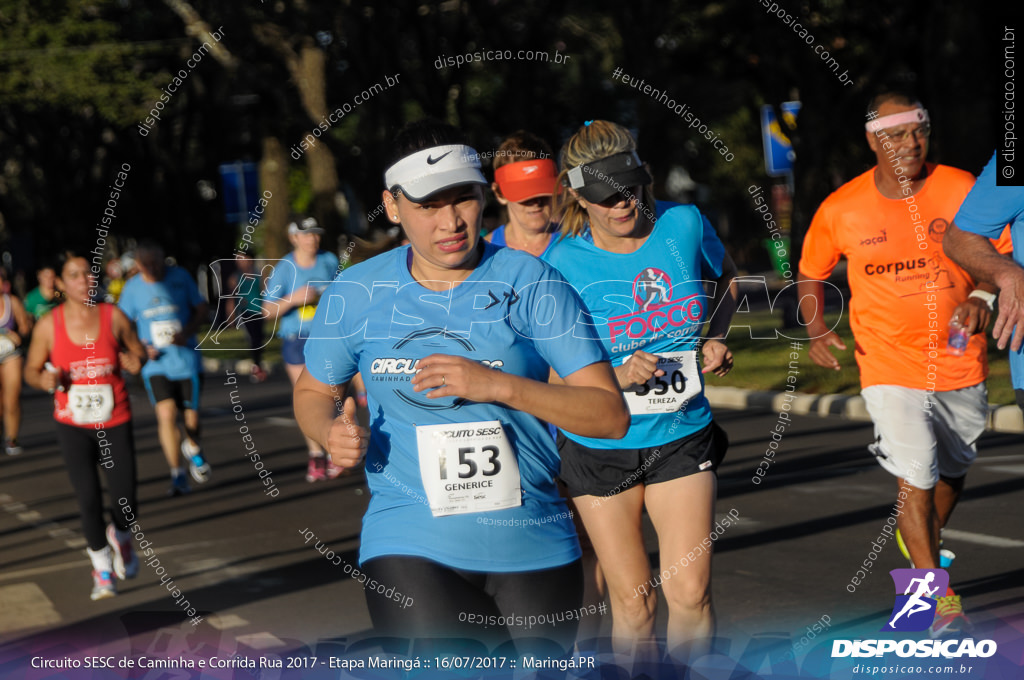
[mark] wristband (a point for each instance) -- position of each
(989, 298)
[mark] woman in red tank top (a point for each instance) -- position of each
(77, 353)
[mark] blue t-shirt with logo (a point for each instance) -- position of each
(289, 277)
(651, 300)
(513, 313)
(159, 309)
(986, 211)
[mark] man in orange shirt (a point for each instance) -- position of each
(928, 405)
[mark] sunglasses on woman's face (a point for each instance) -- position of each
(616, 198)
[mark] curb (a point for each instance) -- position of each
(239, 366)
(1001, 418)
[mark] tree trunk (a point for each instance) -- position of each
(274, 178)
(311, 79)
(199, 29)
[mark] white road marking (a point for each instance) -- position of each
(203, 565)
(1006, 469)
(226, 621)
(35, 571)
(35, 519)
(990, 459)
(38, 571)
(982, 539)
(261, 640)
(25, 606)
(278, 420)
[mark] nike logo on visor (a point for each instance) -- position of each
(431, 160)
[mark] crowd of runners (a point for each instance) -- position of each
(555, 363)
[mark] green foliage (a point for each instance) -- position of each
(300, 191)
(75, 75)
(763, 364)
(71, 55)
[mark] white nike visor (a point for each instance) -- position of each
(426, 172)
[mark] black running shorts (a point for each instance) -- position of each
(606, 472)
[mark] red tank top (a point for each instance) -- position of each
(97, 396)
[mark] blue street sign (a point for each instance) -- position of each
(240, 186)
(778, 152)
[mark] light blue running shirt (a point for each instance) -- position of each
(986, 211)
(651, 300)
(289, 277)
(515, 314)
(159, 309)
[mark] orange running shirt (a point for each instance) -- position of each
(903, 288)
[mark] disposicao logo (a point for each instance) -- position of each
(917, 593)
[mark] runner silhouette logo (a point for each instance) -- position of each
(917, 591)
(652, 288)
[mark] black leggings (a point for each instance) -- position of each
(254, 329)
(113, 449)
(492, 607)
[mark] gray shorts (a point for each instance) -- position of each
(921, 435)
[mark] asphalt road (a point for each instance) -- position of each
(239, 556)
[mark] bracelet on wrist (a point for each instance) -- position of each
(988, 298)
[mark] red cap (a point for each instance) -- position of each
(523, 180)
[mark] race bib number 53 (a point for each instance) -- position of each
(468, 467)
(669, 392)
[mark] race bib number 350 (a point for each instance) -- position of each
(468, 467)
(669, 392)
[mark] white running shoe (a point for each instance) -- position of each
(126, 562)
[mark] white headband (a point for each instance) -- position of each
(431, 170)
(918, 115)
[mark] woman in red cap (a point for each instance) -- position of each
(524, 182)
